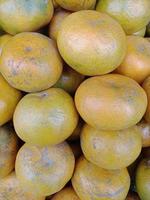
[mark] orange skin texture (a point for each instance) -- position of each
(8, 150)
(21, 16)
(76, 133)
(140, 32)
(136, 63)
(11, 189)
(76, 149)
(99, 99)
(69, 80)
(45, 170)
(47, 117)
(3, 40)
(132, 196)
(88, 38)
(144, 129)
(143, 179)
(146, 87)
(66, 194)
(111, 149)
(92, 182)
(9, 97)
(31, 66)
(75, 5)
(133, 15)
(58, 18)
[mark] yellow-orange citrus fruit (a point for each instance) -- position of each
(133, 15)
(66, 194)
(47, 117)
(144, 128)
(140, 32)
(136, 63)
(20, 16)
(8, 150)
(69, 80)
(111, 149)
(31, 62)
(45, 170)
(111, 102)
(58, 18)
(143, 179)
(87, 39)
(92, 182)
(9, 97)
(3, 40)
(10, 189)
(146, 86)
(76, 5)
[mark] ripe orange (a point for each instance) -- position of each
(144, 129)
(146, 86)
(3, 40)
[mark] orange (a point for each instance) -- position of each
(140, 32)
(58, 18)
(44, 171)
(9, 97)
(75, 5)
(31, 62)
(110, 102)
(136, 63)
(92, 182)
(21, 16)
(111, 149)
(146, 86)
(133, 15)
(87, 39)
(144, 129)
(66, 194)
(11, 189)
(143, 179)
(8, 150)
(47, 117)
(3, 40)
(69, 80)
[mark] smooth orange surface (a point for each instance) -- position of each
(146, 86)
(3, 40)
(144, 128)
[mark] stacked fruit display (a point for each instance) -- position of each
(74, 100)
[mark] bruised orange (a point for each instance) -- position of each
(58, 18)
(87, 39)
(11, 189)
(76, 5)
(66, 194)
(111, 149)
(47, 117)
(92, 182)
(146, 86)
(144, 128)
(44, 171)
(133, 15)
(8, 150)
(31, 62)
(110, 102)
(9, 97)
(136, 63)
(3, 40)
(20, 16)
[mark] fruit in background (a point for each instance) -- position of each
(58, 18)
(143, 179)
(111, 102)
(90, 181)
(76, 133)
(132, 196)
(47, 117)
(144, 128)
(140, 32)
(111, 149)
(88, 38)
(146, 87)
(148, 29)
(66, 194)
(3, 40)
(132, 15)
(21, 16)
(76, 149)
(136, 63)
(75, 5)
(8, 150)
(11, 189)
(9, 97)
(69, 80)
(44, 171)
(31, 62)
